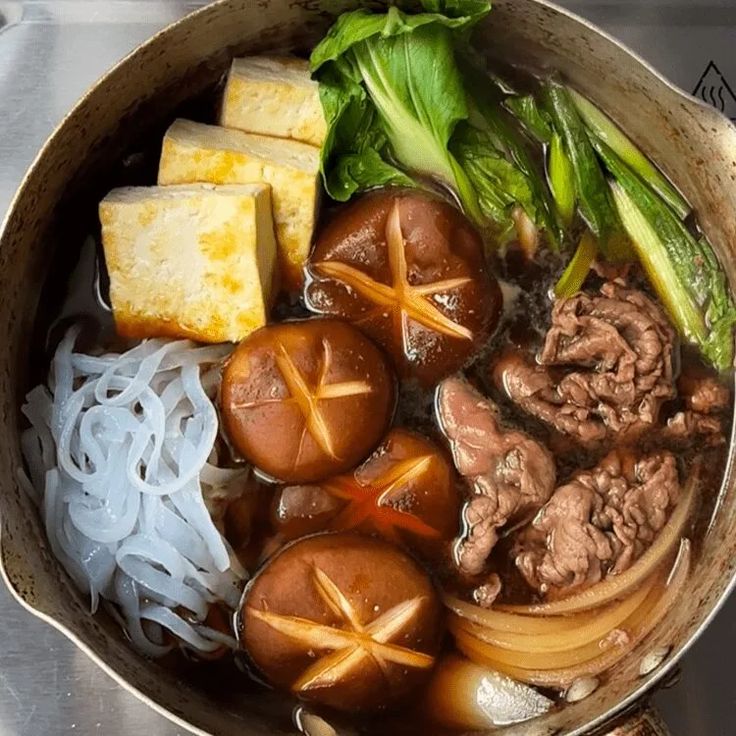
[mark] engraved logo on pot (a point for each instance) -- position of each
(716, 91)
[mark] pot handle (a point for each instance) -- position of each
(643, 721)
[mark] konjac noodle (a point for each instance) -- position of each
(397, 398)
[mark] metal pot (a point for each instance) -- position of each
(692, 143)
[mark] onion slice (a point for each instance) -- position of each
(555, 640)
(656, 605)
(618, 586)
(514, 623)
(537, 660)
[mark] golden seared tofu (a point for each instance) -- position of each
(189, 261)
(194, 152)
(273, 96)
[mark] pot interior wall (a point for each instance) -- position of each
(128, 112)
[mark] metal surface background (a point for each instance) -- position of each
(50, 52)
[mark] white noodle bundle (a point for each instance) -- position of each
(118, 455)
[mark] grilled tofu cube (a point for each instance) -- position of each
(273, 96)
(189, 261)
(194, 152)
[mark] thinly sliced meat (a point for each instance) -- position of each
(604, 370)
(567, 406)
(598, 523)
(510, 474)
(704, 394)
(703, 416)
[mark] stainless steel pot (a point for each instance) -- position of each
(692, 143)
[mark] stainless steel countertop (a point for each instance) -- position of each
(50, 52)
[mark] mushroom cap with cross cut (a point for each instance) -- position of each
(305, 400)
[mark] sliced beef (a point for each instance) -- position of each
(566, 405)
(619, 272)
(706, 402)
(604, 370)
(511, 475)
(703, 393)
(599, 523)
(684, 425)
(485, 595)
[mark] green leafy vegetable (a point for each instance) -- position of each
(594, 196)
(353, 129)
(487, 113)
(684, 271)
(603, 128)
(392, 92)
(535, 120)
(561, 179)
(468, 11)
(398, 112)
(497, 182)
(352, 28)
(577, 270)
(416, 87)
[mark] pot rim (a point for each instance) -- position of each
(648, 683)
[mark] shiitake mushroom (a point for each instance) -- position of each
(408, 269)
(343, 620)
(405, 492)
(305, 400)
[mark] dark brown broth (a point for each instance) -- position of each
(76, 291)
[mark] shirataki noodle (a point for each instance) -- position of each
(118, 450)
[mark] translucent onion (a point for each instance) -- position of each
(618, 586)
(555, 674)
(532, 660)
(515, 623)
(593, 630)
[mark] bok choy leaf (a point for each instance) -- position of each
(399, 112)
(497, 182)
(352, 28)
(605, 130)
(593, 193)
(683, 270)
(488, 113)
(532, 117)
(397, 75)
(561, 177)
(416, 88)
(353, 129)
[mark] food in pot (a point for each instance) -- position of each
(194, 152)
(599, 523)
(534, 483)
(605, 367)
(122, 448)
(192, 261)
(702, 413)
(511, 475)
(465, 695)
(273, 96)
(408, 270)
(343, 620)
(305, 400)
(405, 492)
